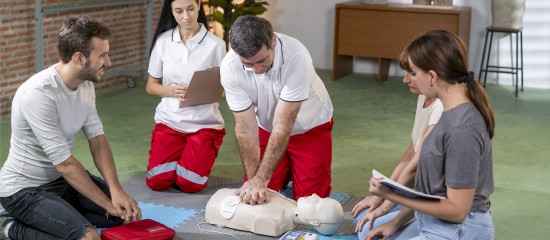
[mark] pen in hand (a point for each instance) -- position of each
(179, 91)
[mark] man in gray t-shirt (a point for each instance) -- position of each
(43, 186)
(458, 154)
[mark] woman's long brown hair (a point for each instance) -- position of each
(446, 54)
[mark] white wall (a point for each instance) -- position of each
(312, 22)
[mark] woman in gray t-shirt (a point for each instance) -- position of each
(456, 157)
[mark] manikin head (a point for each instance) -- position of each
(325, 215)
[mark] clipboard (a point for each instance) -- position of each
(205, 87)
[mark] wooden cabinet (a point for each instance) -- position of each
(382, 31)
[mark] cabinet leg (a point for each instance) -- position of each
(383, 69)
(341, 66)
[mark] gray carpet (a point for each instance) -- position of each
(185, 212)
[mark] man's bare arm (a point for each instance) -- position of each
(74, 173)
(254, 191)
(246, 132)
(123, 205)
(283, 122)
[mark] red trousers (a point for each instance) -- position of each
(307, 161)
(182, 159)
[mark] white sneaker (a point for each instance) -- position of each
(8, 222)
(3, 212)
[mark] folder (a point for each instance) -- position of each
(403, 190)
(205, 87)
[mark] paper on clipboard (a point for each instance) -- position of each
(205, 87)
(400, 189)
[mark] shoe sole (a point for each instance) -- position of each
(4, 213)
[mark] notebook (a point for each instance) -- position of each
(400, 189)
(205, 87)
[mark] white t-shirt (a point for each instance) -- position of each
(174, 61)
(291, 78)
(424, 117)
(45, 120)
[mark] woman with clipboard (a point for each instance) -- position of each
(185, 141)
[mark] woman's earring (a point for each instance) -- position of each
(431, 82)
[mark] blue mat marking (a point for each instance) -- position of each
(340, 197)
(338, 237)
(167, 215)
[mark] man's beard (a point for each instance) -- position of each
(88, 74)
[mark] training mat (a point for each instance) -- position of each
(184, 212)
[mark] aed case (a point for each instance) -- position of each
(144, 229)
(299, 235)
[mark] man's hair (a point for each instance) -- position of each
(249, 33)
(76, 36)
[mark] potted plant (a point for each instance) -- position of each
(226, 12)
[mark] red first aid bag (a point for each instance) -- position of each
(144, 229)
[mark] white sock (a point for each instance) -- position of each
(6, 229)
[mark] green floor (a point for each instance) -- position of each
(372, 129)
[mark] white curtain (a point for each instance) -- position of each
(536, 47)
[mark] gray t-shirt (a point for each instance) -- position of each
(458, 154)
(45, 120)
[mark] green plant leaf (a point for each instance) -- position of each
(247, 7)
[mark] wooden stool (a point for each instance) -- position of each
(516, 66)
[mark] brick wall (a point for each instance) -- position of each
(17, 51)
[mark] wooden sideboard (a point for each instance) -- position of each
(383, 31)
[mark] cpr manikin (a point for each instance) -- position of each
(275, 217)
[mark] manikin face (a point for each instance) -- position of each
(186, 13)
(307, 209)
(261, 62)
(324, 214)
(97, 62)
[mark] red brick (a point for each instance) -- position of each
(18, 52)
(9, 4)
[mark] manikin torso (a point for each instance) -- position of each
(251, 218)
(275, 217)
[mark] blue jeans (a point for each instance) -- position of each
(383, 220)
(377, 222)
(477, 225)
(55, 210)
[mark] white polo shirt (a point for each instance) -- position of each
(174, 61)
(291, 78)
